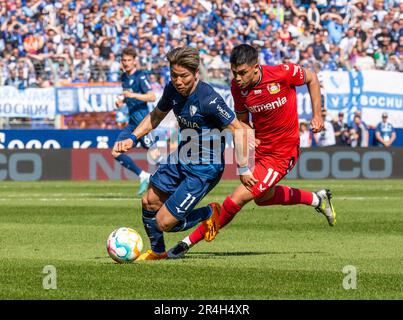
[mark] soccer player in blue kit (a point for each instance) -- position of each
(136, 92)
(177, 186)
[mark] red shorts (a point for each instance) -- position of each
(270, 169)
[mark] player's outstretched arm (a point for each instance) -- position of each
(151, 121)
(145, 97)
(312, 82)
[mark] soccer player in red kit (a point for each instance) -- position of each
(268, 94)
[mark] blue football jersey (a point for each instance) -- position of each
(206, 114)
(138, 83)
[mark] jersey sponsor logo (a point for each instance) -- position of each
(273, 88)
(174, 102)
(192, 110)
(187, 123)
(257, 91)
(244, 93)
(268, 106)
(223, 112)
(213, 101)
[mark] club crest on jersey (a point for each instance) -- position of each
(192, 110)
(273, 88)
(244, 93)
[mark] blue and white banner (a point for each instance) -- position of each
(29, 103)
(372, 92)
(86, 99)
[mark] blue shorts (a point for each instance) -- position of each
(146, 141)
(185, 187)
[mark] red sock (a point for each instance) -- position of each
(228, 211)
(288, 196)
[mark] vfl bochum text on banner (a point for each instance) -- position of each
(29, 103)
(372, 92)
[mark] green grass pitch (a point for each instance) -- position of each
(273, 252)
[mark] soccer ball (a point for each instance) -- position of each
(124, 245)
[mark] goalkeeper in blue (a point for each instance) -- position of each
(197, 165)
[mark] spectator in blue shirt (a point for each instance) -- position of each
(385, 134)
(328, 64)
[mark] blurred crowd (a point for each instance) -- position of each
(44, 43)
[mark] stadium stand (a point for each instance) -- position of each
(46, 43)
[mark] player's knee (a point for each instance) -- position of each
(148, 203)
(163, 224)
(262, 200)
(144, 201)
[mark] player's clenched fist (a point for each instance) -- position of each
(124, 145)
(317, 124)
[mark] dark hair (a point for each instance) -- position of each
(129, 52)
(244, 54)
(186, 57)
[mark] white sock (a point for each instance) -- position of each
(315, 200)
(187, 241)
(144, 175)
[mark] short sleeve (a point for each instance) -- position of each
(164, 103)
(238, 106)
(293, 74)
(219, 111)
(144, 84)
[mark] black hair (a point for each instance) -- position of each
(244, 54)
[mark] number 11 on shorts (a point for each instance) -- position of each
(189, 197)
(270, 173)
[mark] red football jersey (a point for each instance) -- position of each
(273, 105)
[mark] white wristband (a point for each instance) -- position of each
(243, 171)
